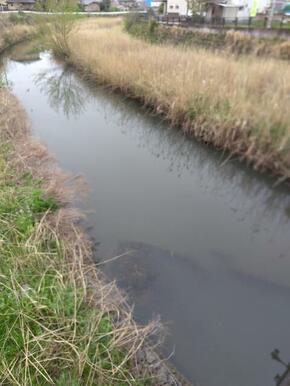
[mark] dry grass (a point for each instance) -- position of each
(284, 50)
(60, 322)
(107, 22)
(239, 42)
(12, 34)
(241, 105)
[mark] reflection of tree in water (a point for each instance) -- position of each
(244, 190)
(3, 74)
(284, 378)
(63, 90)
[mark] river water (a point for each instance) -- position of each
(205, 241)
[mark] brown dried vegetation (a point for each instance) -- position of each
(11, 33)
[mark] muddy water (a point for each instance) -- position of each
(205, 241)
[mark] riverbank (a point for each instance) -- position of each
(233, 42)
(219, 99)
(61, 323)
(13, 30)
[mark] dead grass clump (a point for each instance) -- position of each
(238, 42)
(284, 50)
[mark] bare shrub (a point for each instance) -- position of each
(58, 31)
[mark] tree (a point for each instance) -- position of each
(197, 6)
(106, 5)
(61, 25)
(161, 9)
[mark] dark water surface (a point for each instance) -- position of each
(206, 241)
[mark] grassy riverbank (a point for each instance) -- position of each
(14, 29)
(240, 105)
(60, 323)
(232, 42)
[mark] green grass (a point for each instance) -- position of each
(50, 332)
(259, 24)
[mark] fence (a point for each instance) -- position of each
(279, 22)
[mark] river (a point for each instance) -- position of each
(204, 240)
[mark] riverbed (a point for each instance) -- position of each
(192, 236)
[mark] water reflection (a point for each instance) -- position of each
(284, 378)
(3, 73)
(63, 92)
(184, 156)
(3, 79)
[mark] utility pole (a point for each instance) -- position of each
(271, 14)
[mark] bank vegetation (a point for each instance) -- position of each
(230, 42)
(236, 104)
(15, 29)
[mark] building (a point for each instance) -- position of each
(177, 7)
(91, 5)
(158, 6)
(128, 5)
(20, 5)
(221, 11)
(254, 7)
(241, 8)
(3, 5)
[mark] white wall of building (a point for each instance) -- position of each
(155, 4)
(230, 12)
(177, 6)
(262, 5)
